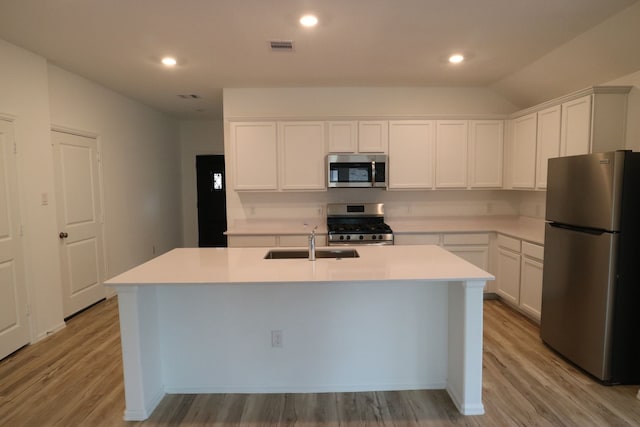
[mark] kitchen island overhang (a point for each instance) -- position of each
(396, 318)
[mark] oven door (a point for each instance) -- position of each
(356, 171)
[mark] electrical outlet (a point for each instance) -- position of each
(276, 338)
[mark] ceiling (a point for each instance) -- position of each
(224, 43)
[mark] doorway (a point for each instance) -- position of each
(212, 201)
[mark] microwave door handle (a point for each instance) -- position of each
(373, 173)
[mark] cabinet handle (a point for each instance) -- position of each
(63, 235)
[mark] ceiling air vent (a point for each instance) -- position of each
(189, 96)
(281, 45)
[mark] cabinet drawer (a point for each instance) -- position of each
(508, 243)
(466, 239)
(417, 239)
(301, 240)
(252, 241)
(533, 251)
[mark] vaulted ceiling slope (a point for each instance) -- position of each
(526, 50)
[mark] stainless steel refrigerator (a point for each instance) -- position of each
(591, 278)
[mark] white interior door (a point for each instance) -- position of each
(14, 327)
(79, 220)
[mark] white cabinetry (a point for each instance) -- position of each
(548, 142)
(451, 153)
(278, 156)
(486, 147)
(272, 241)
(576, 126)
(254, 155)
(302, 151)
(508, 269)
(472, 247)
(411, 148)
(343, 136)
(373, 136)
(352, 136)
(519, 274)
(523, 151)
(531, 279)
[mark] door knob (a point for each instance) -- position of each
(63, 235)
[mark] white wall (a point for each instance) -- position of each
(363, 102)
(140, 164)
(602, 53)
(24, 97)
(633, 109)
(197, 137)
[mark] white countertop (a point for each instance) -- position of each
(247, 265)
(525, 228)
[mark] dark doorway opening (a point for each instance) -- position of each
(212, 201)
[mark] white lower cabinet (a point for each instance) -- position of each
(472, 247)
(519, 274)
(273, 241)
(531, 279)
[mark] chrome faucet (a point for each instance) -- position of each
(312, 244)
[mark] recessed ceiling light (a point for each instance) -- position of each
(308, 21)
(169, 61)
(456, 59)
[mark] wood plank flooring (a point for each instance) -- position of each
(74, 378)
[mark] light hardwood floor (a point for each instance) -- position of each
(74, 378)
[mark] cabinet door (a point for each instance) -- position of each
(302, 155)
(476, 255)
(531, 286)
(254, 155)
(548, 142)
(411, 145)
(417, 239)
(486, 147)
(343, 136)
(373, 136)
(576, 126)
(523, 152)
(451, 153)
(508, 275)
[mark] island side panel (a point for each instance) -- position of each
(347, 336)
(141, 357)
(464, 378)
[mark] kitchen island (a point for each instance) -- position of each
(218, 320)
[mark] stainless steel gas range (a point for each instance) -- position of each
(357, 224)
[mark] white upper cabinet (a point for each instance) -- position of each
(486, 147)
(343, 136)
(373, 136)
(523, 151)
(576, 127)
(302, 151)
(411, 154)
(548, 142)
(451, 153)
(254, 155)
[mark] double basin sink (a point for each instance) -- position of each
(304, 253)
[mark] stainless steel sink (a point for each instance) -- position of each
(304, 253)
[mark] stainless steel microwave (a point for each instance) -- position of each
(357, 170)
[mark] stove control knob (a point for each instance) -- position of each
(380, 237)
(341, 237)
(373, 237)
(361, 237)
(348, 237)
